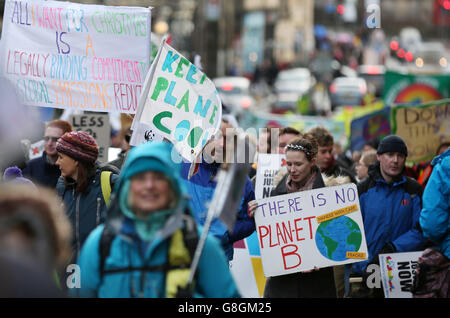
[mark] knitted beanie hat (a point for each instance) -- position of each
(392, 143)
(78, 145)
(14, 175)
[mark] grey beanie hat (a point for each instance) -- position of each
(392, 143)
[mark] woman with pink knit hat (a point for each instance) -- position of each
(80, 185)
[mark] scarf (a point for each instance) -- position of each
(292, 186)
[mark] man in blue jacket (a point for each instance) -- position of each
(390, 206)
(201, 186)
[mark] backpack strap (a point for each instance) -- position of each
(181, 253)
(190, 235)
(106, 239)
(105, 182)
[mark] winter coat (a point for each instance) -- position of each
(435, 215)
(128, 249)
(390, 214)
(39, 170)
(85, 210)
(119, 161)
(201, 188)
(316, 284)
(336, 170)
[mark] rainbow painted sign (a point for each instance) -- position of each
(397, 273)
(415, 89)
(76, 56)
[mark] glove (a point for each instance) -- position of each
(387, 248)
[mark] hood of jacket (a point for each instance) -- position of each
(154, 156)
(441, 157)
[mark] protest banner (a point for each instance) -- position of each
(76, 56)
(346, 114)
(36, 149)
(368, 127)
(423, 127)
(268, 166)
(315, 228)
(397, 273)
(414, 89)
(180, 101)
(143, 133)
(96, 125)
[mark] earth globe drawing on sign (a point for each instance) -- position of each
(336, 237)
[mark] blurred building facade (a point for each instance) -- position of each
(235, 36)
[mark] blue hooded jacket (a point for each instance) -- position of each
(390, 214)
(435, 215)
(128, 249)
(201, 187)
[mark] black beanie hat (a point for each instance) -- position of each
(392, 143)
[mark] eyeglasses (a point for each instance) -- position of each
(54, 139)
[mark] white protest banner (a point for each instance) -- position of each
(315, 228)
(76, 56)
(36, 149)
(143, 133)
(182, 103)
(268, 166)
(96, 125)
(397, 273)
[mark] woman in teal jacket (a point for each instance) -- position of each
(80, 185)
(435, 215)
(151, 242)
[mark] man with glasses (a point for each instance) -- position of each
(43, 169)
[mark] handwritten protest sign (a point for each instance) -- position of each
(321, 227)
(423, 127)
(98, 126)
(397, 273)
(143, 133)
(182, 103)
(268, 166)
(76, 56)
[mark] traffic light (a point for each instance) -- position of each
(441, 13)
